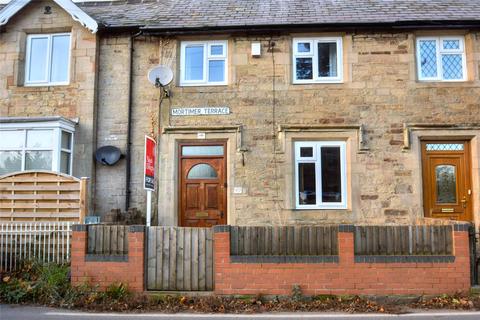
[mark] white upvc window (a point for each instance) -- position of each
(48, 59)
(36, 146)
(317, 60)
(441, 58)
(320, 175)
(203, 63)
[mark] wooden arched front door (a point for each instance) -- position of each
(203, 187)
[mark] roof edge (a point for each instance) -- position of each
(399, 25)
(75, 12)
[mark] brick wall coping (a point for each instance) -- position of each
(283, 259)
(404, 259)
(79, 227)
(457, 226)
(132, 228)
(226, 228)
(107, 257)
(136, 228)
(461, 226)
(341, 228)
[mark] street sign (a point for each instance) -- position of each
(200, 111)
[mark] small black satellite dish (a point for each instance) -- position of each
(108, 155)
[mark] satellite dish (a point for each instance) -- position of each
(160, 76)
(108, 155)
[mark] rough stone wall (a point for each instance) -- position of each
(113, 114)
(75, 100)
(380, 92)
(113, 87)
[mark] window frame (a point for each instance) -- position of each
(48, 66)
(207, 57)
(316, 158)
(56, 127)
(439, 53)
(314, 55)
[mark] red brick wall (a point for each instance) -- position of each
(344, 277)
(105, 273)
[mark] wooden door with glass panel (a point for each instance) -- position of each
(203, 195)
(447, 189)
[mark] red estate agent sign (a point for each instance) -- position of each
(149, 172)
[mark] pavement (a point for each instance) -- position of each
(9, 312)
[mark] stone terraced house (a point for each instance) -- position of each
(279, 112)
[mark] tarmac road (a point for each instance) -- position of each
(8, 312)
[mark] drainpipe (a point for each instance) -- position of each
(129, 125)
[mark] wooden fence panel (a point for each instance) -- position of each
(42, 196)
(180, 259)
(284, 240)
(44, 242)
(107, 239)
(404, 240)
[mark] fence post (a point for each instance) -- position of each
(83, 199)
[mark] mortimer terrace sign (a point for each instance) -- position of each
(200, 111)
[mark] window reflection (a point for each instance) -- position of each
(306, 183)
(331, 176)
(202, 171)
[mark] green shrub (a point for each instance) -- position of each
(116, 291)
(52, 285)
(49, 284)
(38, 283)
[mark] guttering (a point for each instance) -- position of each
(285, 28)
(129, 125)
(168, 31)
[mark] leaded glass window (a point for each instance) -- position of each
(444, 146)
(441, 58)
(446, 181)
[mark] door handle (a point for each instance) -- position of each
(221, 214)
(464, 202)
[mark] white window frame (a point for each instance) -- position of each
(48, 67)
(207, 57)
(439, 52)
(314, 55)
(316, 158)
(56, 127)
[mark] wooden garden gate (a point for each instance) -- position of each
(179, 259)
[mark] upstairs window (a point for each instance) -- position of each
(47, 59)
(317, 60)
(441, 59)
(36, 146)
(203, 63)
(320, 175)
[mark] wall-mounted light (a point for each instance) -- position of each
(48, 10)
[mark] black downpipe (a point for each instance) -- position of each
(474, 259)
(128, 158)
